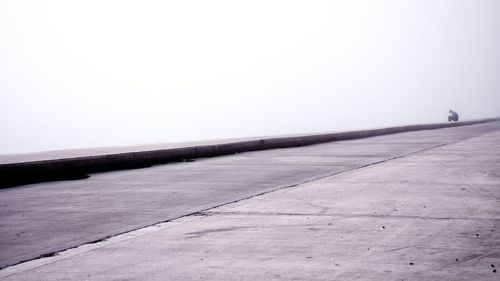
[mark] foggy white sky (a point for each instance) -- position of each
(99, 73)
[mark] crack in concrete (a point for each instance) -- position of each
(197, 234)
(480, 256)
(400, 248)
(345, 216)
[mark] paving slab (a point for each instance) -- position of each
(429, 215)
(41, 219)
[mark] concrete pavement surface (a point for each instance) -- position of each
(421, 205)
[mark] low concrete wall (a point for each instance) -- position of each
(16, 174)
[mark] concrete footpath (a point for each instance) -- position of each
(415, 206)
(42, 219)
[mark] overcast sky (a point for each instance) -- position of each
(103, 73)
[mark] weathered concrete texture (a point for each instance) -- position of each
(44, 218)
(432, 215)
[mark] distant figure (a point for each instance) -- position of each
(453, 116)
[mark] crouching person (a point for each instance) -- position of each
(453, 116)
